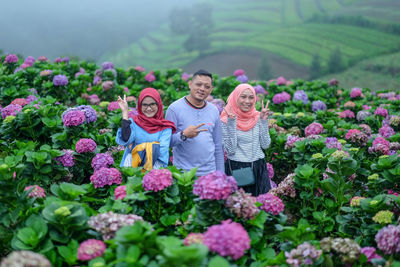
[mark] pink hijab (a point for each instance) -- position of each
(245, 120)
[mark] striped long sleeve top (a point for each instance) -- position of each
(245, 146)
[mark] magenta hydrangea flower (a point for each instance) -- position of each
(107, 85)
(113, 105)
(388, 239)
(380, 146)
(11, 58)
(215, 185)
(370, 253)
(31, 98)
(193, 238)
(347, 114)
(333, 82)
(10, 110)
(73, 118)
(227, 239)
(291, 140)
(351, 132)
(318, 105)
(105, 176)
(139, 68)
(37, 191)
(280, 81)
(85, 145)
(157, 180)
(356, 92)
(271, 204)
(281, 98)
(60, 80)
(386, 131)
(270, 169)
(120, 192)
(102, 160)
(68, 159)
(91, 249)
(150, 77)
(381, 112)
(42, 58)
(238, 72)
(314, 129)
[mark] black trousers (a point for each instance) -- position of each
(261, 185)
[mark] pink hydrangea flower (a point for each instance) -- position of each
(73, 118)
(271, 203)
(227, 239)
(381, 112)
(150, 77)
(120, 192)
(11, 58)
(91, 249)
(85, 145)
(193, 238)
(37, 191)
(215, 185)
(157, 180)
(291, 140)
(105, 176)
(270, 169)
(356, 92)
(347, 114)
(20, 101)
(313, 129)
(380, 145)
(113, 106)
(388, 239)
(280, 81)
(370, 253)
(107, 85)
(185, 76)
(139, 68)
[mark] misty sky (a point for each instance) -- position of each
(85, 28)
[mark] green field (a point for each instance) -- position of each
(280, 27)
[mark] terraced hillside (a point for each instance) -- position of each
(278, 27)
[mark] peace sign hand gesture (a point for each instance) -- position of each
(123, 104)
(230, 114)
(264, 114)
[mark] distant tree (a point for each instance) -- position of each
(264, 70)
(315, 68)
(196, 22)
(1, 52)
(335, 63)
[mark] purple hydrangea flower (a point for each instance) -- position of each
(73, 118)
(11, 58)
(65, 59)
(318, 105)
(31, 98)
(386, 131)
(90, 113)
(60, 80)
(270, 169)
(380, 145)
(260, 90)
(105, 176)
(219, 103)
(388, 239)
(215, 185)
(96, 80)
(332, 142)
(57, 60)
(132, 112)
(281, 98)
(157, 180)
(10, 110)
(102, 160)
(271, 204)
(67, 159)
(85, 145)
(242, 204)
(242, 78)
(291, 140)
(94, 99)
(381, 112)
(301, 96)
(227, 239)
(370, 253)
(107, 65)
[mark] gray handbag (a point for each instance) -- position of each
(244, 176)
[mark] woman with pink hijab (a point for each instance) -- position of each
(245, 134)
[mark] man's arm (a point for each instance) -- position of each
(176, 137)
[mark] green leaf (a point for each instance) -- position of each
(38, 225)
(218, 261)
(72, 190)
(168, 220)
(306, 171)
(28, 236)
(133, 254)
(259, 220)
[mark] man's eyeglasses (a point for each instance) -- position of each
(150, 105)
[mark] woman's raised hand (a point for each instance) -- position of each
(264, 114)
(123, 104)
(230, 114)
